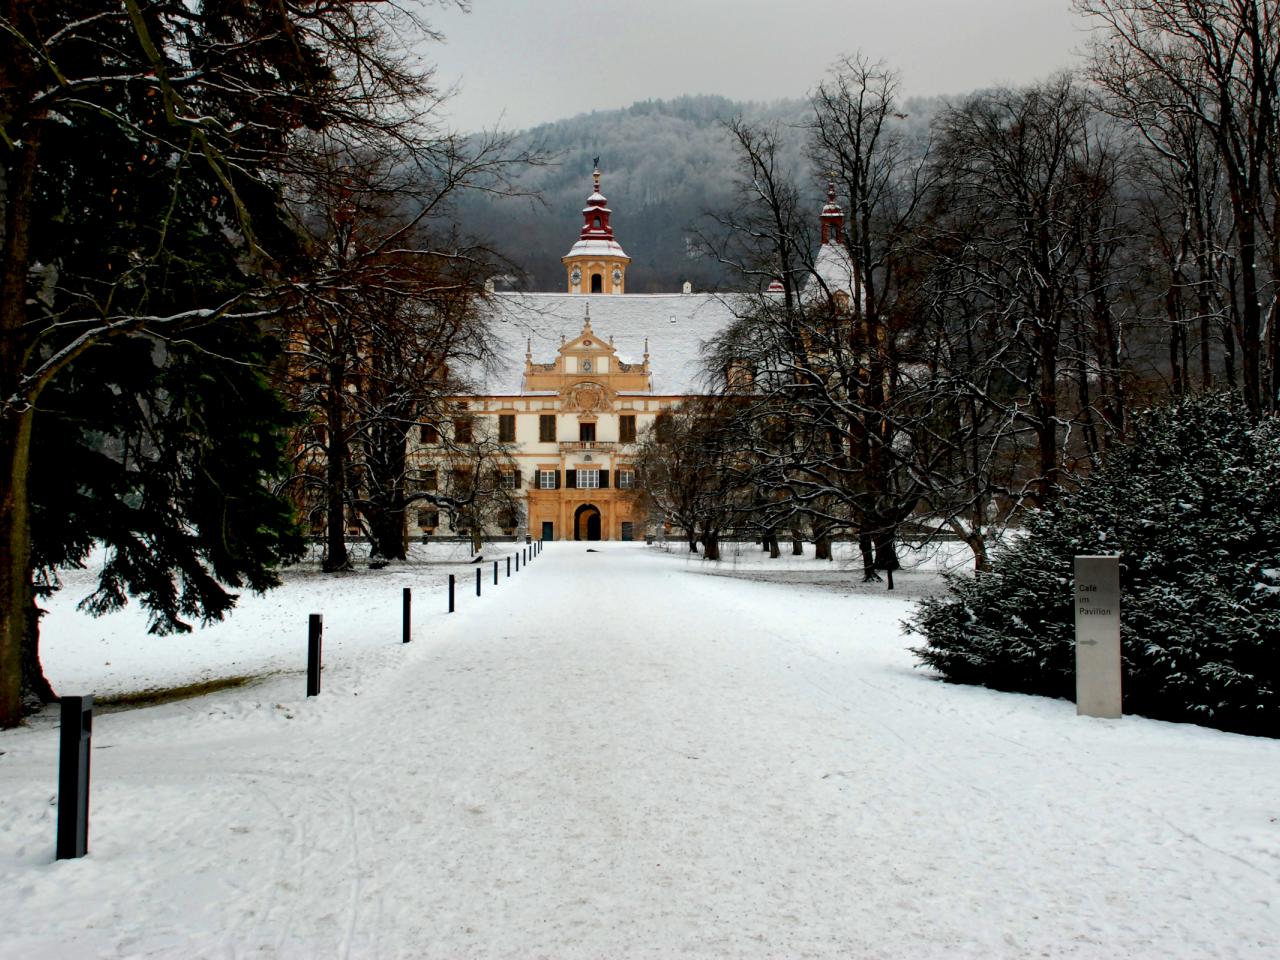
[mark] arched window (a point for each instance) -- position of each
(597, 283)
(596, 223)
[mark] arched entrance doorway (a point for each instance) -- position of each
(586, 523)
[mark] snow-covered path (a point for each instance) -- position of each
(615, 755)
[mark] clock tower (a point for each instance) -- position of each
(596, 263)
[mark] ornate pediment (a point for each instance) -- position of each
(586, 396)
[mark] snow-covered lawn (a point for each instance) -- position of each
(624, 753)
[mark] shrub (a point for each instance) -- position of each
(1192, 506)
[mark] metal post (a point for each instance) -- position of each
(404, 626)
(508, 566)
(73, 777)
(314, 629)
(495, 573)
(451, 593)
(517, 563)
(477, 581)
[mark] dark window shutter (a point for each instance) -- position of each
(557, 486)
(518, 475)
(604, 479)
(571, 479)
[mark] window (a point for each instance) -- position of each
(430, 480)
(428, 519)
(511, 479)
(588, 479)
(663, 427)
(429, 433)
(506, 428)
(547, 479)
(547, 428)
(627, 428)
(462, 430)
(626, 479)
(586, 432)
(597, 283)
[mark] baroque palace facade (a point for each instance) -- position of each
(580, 376)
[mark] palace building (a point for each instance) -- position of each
(581, 375)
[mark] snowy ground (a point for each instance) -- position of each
(616, 754)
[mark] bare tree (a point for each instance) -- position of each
(1174, 67)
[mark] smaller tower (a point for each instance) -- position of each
(833, 275)
(596, 263)
(832, 217)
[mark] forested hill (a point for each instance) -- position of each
(665, 163)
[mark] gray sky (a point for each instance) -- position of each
(523, 62)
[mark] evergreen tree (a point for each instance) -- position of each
(144, 149)
(1192, 506)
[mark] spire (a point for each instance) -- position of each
(832, 217)
(586, 322)
(595, 215)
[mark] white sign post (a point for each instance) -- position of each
(1097, 596)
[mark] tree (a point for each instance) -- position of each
(690, 466)
(170, 248)
(1178, 68)
(1192, 506)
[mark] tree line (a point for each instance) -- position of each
(1016, 278)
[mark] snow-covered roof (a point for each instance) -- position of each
(676, 326)
(835, 268)
(596, 248)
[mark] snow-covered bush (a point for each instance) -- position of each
(1192, 506)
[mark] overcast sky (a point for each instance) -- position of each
(523, 62)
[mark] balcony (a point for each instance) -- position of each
(601, 446)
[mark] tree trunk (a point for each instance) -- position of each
(797, 544)
(887, 548)
(867, 548)
(35, 685)
(822, 547)
(15, 561)
(16, 416)
(336, 556)
(710, 546)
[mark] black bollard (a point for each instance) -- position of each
(508, 566)
(404, 617)
(495, 573)
(517, 563)
(314, 629)
(73, 777)
(451, 593)
(477, 581)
